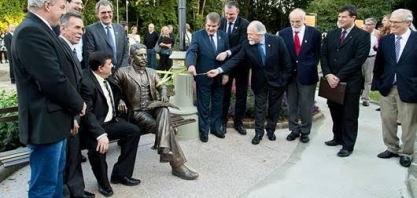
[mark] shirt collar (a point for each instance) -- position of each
(104, 26)
(405, 35)
(99, 78)
(67, 41)
(45, 21)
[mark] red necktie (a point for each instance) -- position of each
(342, 38)
(297, 44)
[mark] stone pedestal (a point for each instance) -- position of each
(183, 97)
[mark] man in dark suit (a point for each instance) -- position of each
(8, 44)
(207, 51)
(271, 69)
(343, 52)
(303, 43)
(102, 94)
(106, 36)
(240, 74)
(395, 75)
(48, 96)
(71, 32)
(150, 39)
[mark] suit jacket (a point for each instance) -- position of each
(238, 34)
(277, 68)
(305, 64)
(75, 69)
(8, 44)
(95, 39)
(96, 101)
(129, 80)
(202, 56)
(48, 101)
(386, 67)
(345, 61)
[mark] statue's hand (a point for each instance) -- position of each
(122, 107)
(164, 98)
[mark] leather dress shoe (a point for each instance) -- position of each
(344, 153)
(333, 143)
(203, 137)
(271, 136)
(184, 172)
(83, 158)
(256, 139)
(165, 155)
(405, 161)
(223, 128)
(240, 129)
(219, 134)
(106, 191)
(85, 195)
(387, 154)
(292, 136)
(127, 181)
(304, 138)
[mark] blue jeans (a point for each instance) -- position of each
(47, 163)
(151, 59)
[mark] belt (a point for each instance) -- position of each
(372, 56)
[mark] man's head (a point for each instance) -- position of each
(151, 27)
(212, 23)
(75, 6)
(347, 16)
(104, 11)
(72, 27)
(50, 10)
(11, 28)
(256, 31)
(370, 24)
(100, 63)
(138, 55)
(401, 20)
(231, 11)
(297, 19)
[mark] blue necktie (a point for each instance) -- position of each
(112, 44)
(212, 43)
(397, 48)
(262, 52)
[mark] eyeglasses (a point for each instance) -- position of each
(396, 22)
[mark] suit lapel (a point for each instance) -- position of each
(306, 38)
(408, 46)
(132, 73)
(348, 36)
(70, 55)
(267, 49)
(97, 84)
(103, 32)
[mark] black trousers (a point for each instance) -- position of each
(129, 135)
(241, 76)
(73, 175)
(345, 120)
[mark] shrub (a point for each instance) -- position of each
(9, 132)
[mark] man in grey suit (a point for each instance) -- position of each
(106, 36)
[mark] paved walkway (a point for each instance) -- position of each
(233, 167)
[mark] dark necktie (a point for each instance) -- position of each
(342, 38)
(212, 43)
(297, 44)
(74, 52)
(111, 98)
(229, 29)
(112, 44)
(261, 51)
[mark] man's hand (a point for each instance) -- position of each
(83, 110)
(102, 144)
(222, 56)
(191, 70)
(225, 79)
(74, 130)
(333, 80)
(213, 73)
(122, 107)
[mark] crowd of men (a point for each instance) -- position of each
(80, 89)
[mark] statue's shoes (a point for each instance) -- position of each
(184, 172)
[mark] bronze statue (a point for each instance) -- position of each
(146, 102)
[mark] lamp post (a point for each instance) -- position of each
(117, 11)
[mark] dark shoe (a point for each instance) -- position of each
(83, 158)
(365, 103)
(398, 123)
(256, 139)
(405, 161)
(203, 137)
(127, 181)
(271, 136)
(344, 153)
(240, 129)
(165, 155)
(106, 191)
(304, 138)
(13, 82)
(223, 128)
(292, 136)
(86, 195)
(378, 109)
(387, 154)
(219, 134)
(333, 143)
(184, 172)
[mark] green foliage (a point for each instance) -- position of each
(11, 12)
(9, 132)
